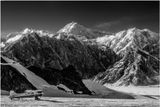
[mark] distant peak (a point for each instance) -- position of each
(70, 27)
(133, 29)
(73, 23)
(27, 30)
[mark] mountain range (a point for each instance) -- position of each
(74, 53)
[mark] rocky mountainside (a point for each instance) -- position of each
(66, 60)
(34, 49)
(129, 57)
(11, 79)
(139, 52)
(18, 78)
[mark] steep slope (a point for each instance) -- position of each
(139, 64)
(80, 32)
(32, 49)
(57, 60)
(11, 79)
(31, 80)
(129, 57)
(35, 80)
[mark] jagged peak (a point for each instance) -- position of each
(16, 36)
(68, 28)
(81, 31)
(27, 30)
(131, 32)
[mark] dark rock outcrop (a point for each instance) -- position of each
(68, 76)
(11, 79)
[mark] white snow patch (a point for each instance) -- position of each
(68, 27)
(13, 39)
(2, 45)
(64, 87)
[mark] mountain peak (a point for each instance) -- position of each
(27, 30)
(80, 31)
(12, 37)
(70, 27)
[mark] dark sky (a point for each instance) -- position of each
(51, 16)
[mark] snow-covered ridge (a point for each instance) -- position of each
(17, 36)
(67, 28)
(80, 31)
(127, 38)
(115, 41)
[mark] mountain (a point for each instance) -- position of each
(139, 52)
(32, 79)
(133, 37)
(80, 31)
(129, 57)
(33, 49)
(57, 60)
(11, 79)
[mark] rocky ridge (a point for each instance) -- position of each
(129, 57)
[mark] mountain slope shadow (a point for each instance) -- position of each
(68, 77)
(11, 79)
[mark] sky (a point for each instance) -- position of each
(51, 15)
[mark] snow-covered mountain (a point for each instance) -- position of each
(125, 39)
(56, 60)
(13, 37)
(127, 57)
(80, 31)
(139, 51)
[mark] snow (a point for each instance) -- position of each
(78, 102)
(138, 90)
(16, 36)
(126, 38)
(105, 39)
(105, 92)
(2, 45)
(98, 90)
(30, 76)
(13, 39)
(27, 30)
(64, 87)
(68, 27)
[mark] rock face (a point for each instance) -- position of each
(33, 49)
(11, 79)
(139, 64)
(65, 60)
(68, 76)
(129, 57)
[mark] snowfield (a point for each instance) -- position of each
(78, 102)
(105, 92)
(103, 96)
(98, 90)
(139, 90)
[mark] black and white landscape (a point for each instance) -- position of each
(81, 66)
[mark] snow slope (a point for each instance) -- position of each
(80, 31)
(105, 92)
(30, 76)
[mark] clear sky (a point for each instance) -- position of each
(51, 15)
